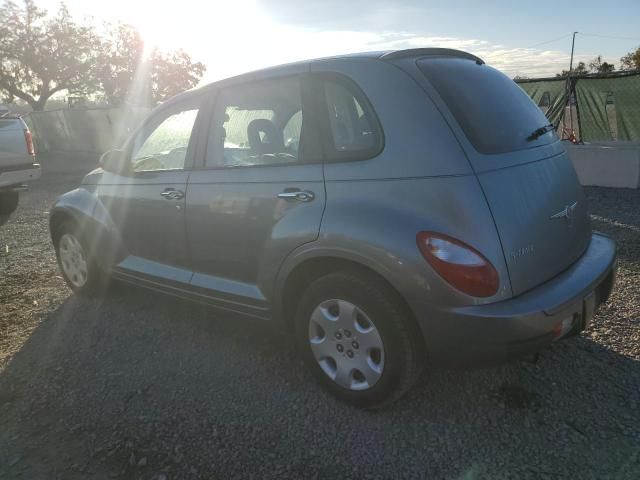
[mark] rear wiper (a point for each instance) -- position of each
(540, 131)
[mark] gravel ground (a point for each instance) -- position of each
(137, 386)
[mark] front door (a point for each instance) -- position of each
(260, 195)
(147, 204)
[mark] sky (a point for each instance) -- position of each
(528, 38)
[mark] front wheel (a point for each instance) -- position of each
(358, 339)
(79, 270)
(8, 205)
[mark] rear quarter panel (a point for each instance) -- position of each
(374, 223)
(379, 219)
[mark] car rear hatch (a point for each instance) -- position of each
(528, 180)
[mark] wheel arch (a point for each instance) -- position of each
(59, 217)
(298, 276)
(89, 215)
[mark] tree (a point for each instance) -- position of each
(578, 70)
(598, 66)
(631, 61)
(172, 73)
(121, 58)
(41, 55)
(130, 73)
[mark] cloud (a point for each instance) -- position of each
(251, 34)
(282, 44)
(512, 61)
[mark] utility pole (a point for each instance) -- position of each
(570, 83)
(573, 43)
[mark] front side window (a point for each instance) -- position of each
(165, 147)
(353, 127)
(257, 124)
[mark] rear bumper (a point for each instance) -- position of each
(16, 176)
(524, 324)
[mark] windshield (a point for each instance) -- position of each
(496, 115)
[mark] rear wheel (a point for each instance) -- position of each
(8, 204)
(79, 270)
(358, 339)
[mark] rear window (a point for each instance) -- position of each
(496, 115)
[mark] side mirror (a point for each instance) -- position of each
(114, 161)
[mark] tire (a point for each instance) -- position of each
(369, 376)
(8, 205)
(82, 274)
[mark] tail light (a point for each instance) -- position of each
(459, 264)
(29, 140)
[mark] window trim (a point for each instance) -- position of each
(331, 154)
(155, 119)
(214, 101)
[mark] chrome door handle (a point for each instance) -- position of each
(300, 195)
(172, 194)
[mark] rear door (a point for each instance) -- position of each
(260, 193)
(528, 180)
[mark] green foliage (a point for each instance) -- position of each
(121, 56)
(578, 70)
(631, 61)
(598, 66)
(173, 73)
(131, 74)
(595, 66)
(43, 54)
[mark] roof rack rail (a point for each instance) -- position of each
(443, 52)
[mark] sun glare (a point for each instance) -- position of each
(227, 31)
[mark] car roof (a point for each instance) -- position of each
(384, 55)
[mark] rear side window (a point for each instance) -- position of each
(257, 124)
(353, 128)
(496, 115)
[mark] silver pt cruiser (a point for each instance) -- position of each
(386, 208)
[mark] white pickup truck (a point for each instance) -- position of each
(17, 163)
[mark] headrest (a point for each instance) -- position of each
(271, 140)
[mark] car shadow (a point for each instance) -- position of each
(138, 383)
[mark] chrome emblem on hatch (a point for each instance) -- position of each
(566, 213)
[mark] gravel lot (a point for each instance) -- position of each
(138, 386)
